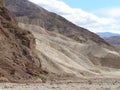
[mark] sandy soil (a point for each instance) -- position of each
(92, 84)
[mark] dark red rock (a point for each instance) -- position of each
(17, 49)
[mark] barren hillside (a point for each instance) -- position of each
(64, 56)
(63, 47)
(29, 13)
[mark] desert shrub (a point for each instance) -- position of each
(3, 79)
(43, 78)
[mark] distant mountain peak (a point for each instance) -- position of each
(107, 34)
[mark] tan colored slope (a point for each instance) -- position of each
(103, 57)
(56, 53)
(62, 55)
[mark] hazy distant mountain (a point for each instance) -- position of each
(107, 34)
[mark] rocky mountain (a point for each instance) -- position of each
(115, 40)
(64, 48)
(18, 59)
(29, 13)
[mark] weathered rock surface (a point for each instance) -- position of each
(18, 59)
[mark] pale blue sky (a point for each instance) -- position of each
(90, 5)
(95, 15)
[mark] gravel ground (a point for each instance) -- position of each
(95, 84)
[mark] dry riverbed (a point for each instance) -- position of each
(92, 84)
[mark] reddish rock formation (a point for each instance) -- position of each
(17, 49)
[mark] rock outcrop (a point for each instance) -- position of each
(18, 59)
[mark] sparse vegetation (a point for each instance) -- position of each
(3, 79)
(43, 78)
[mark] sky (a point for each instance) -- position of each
(95, 15)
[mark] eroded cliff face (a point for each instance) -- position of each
(18, 59)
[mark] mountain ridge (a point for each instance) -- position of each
(114, 39)
(107, 34)
(51, 21)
